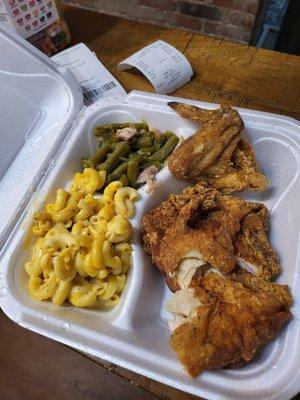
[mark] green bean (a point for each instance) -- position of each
(113, 158)
(100, 155)
(132, 171)
(159, 138)
(165, 150)
(123, 167)
(112, 128)
(141, 143)
(158, 144)
(124, 180)
(110, 139)
(124, 159)
(145, 139)
(113, 145)
(136, 157)
(106, 137)
(86, 163)
(132, 156)
(148, 150)
(109, 128)
(117, 172)
(169, 134)
(139, 125)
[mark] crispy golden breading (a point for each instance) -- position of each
(195, 113)
(243, 316)
(198, 232)
(206, 243)
(156, 221)
(220, 229)
(258, 283)
(202, 150)
(216, 153)
(252, 247)
(198, 220)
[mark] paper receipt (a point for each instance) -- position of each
(91, 74)
(165, 67)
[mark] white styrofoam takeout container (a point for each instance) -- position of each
(45, 131)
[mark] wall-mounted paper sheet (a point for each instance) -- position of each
(165, 67)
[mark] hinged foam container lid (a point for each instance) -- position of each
(39, 102)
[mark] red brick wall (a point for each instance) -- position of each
(232, 19)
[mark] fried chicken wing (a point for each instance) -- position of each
(216, 153)
(228, 327)
(195, 113)
(202, 150)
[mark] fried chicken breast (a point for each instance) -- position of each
(214, 251)
(203, 225)
(194, 226)
(230, 320)
(216, 153)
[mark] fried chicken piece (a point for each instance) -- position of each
(195, 113)
(239, 172)
(195, 227)
(200, 151)
(258, 283)
(156, 221)
(216, 153)
(201, 226)
(252, 248)
(241, 315)
(197, 233)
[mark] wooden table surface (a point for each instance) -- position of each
(240, 75)
(36, 368)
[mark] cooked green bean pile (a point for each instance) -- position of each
(124, 153)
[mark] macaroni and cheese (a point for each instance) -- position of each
(82, 253)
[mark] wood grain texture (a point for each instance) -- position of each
(162, 391)
(224, 72)
(36, 368)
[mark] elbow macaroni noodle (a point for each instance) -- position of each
(82, 253)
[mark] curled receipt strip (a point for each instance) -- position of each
(93, 77)
(165, 67)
